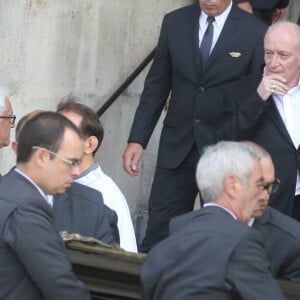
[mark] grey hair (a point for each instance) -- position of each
(261, 152)
(4, 93)
(220, 160)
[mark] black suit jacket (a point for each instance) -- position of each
(80, 209)
(33, 261)
(281, 237)
(197, 100)
(212, 256)
(260, 122)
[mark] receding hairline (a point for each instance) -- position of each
(281, 25)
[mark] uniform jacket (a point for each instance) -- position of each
(196, 96)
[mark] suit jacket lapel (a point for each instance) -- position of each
(224, 39)
(195, 37)
(61, 212)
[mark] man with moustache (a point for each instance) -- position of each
(270, 115)
(201, 49)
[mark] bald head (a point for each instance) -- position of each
(282, 52)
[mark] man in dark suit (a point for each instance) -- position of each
(33, 261)
(196, 101)
(79, 209)
(267, 10)
(270, 115)
(92, 174)
(280, 233)
(215, 255)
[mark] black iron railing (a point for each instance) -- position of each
(125, 84)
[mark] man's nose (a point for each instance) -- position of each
(75, 171)
(273, 61)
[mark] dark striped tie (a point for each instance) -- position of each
(207, 40)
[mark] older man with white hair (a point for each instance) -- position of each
(7, 118)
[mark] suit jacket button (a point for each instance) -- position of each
(201, 89)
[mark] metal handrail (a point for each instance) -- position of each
(125, 84)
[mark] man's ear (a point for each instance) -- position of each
(230, 185)
(14, 146)
(90, 144)
(40, 157)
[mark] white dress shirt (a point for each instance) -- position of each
(95, 178)
(289, 109)
(218, 25)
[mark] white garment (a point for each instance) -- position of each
(218, 25)
(114, 199)
(289, 110)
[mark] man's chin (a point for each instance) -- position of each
(61, 190)
(258, 213)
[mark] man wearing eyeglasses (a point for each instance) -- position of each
(7, 118)
(213, 254)
(33, 261)
(79, 209)
(281, 233)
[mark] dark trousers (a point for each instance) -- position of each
(296, 208)
(173, 193)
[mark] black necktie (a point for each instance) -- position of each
(207, 40)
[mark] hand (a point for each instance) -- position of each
(246, 6)
(278, 14)
(131, 158)
(272, 84)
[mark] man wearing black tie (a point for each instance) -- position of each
(194, 60)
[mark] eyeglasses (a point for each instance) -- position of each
(12, 119)
(271, 187)
(72, 163)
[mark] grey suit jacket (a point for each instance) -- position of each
(80, 209)
(33, 261)
(212, 256)
(281, 236)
